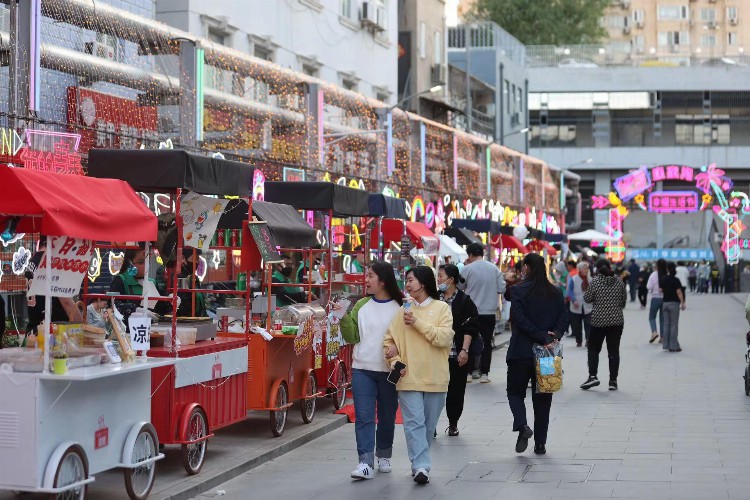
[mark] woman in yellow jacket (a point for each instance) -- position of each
(420, 336)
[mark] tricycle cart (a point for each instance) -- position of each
(206, 388)
(59, 430)
(280, 370)
(333, 367)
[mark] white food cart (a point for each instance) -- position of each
(56, 431)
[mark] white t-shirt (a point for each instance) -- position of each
(373, 320)
(682, 275)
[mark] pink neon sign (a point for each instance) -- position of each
(673, 201)
(631, 184)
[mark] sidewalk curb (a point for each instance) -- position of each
(207, 482)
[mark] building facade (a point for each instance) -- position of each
(349, 43)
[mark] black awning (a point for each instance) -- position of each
(381, 205)
(480, 225)
(344, 201)
(168, 169)
(556, 238)
(287, 225)
(462, 235)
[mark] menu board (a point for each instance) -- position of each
(264, 240)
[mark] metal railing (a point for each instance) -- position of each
(487, 35)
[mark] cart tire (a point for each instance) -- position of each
(747, 381)
(71, 468)
(339, 396)
(194, 454)
(309, 405)
(278, 417)
(140, 480)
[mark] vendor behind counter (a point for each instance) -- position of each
(130, 281)
(287, 295)
(186, 262)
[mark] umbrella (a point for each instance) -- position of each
(591, 235)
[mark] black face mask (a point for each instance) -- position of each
(286, 271)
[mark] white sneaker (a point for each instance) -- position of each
(475, 374)
(363, 471)
(422, 476)
(384, 465)
(469, 379)
(484, 379)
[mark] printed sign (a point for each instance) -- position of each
(70, 259)
(305, 335)
(334, 342)
(293, 174)
(140, 332)
(101, 436)
(265, 242)
(200, 217)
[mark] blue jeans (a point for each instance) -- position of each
(421, 411)
(370, 387)
(656, 307)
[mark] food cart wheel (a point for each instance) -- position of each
(309, 404)
(71, 468)
(139, 480)
(339, 397)
(193, 454)
(278, 417)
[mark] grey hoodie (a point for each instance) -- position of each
(608, 296)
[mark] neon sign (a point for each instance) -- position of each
(52, 152)
(259, 185)
(673, 202)
(10, 142)
(95, 266)
(629, 185)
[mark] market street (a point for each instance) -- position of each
(675, 429)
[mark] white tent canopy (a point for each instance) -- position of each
(591, 235)
(449, 247)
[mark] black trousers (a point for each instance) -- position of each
(692, 281)
(520, 371)
(454, 399)
(633, 290)
(612, 334)
(487, 330)
(643, 295)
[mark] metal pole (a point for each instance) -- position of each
(188, 84)
(47, 303)
(467, 29)
(500, 107)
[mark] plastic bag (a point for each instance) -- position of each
(548, 364)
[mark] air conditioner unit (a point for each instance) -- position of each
(733, 21)
(368, 15)
(438, 74)
(626, 30)
(381, 19)
(712, 25)
(101, 50)
(625, 4)
(639, 24)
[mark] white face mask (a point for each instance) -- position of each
(443, 287)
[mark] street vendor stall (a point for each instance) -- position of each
(207, 387)
(332, 362)
(60, 428)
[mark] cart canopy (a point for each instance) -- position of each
(288, 227)
(479, 225)
(386, 206)
(556, 237)
(75, 206)
(509, 242)
(449, 248)
(539, 245)
(344, 201)
(418, 233)
(462, 235)
(168, 169)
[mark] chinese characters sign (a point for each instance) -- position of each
(632, 184)
(673, 201)
(70, 261)
(140, 332)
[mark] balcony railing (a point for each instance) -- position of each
(487, 35)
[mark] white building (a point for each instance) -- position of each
(351, 43)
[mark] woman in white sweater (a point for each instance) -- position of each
(365, 327)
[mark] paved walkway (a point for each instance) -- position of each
(677, 429)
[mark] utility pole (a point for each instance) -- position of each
(467, 34)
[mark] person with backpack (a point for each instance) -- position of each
(365, 327)
(538, 316)
(608, 297)
(466, 332)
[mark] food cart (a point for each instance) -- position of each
(206, 387)
(415, 238)
(57, 431)
(281, 365)
(333, 360)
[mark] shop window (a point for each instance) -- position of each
(673, 12)
(732, 38)
(348, 10)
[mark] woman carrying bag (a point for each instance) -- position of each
(538, 316)
(420, 337)
(365, 327)
(466, 331)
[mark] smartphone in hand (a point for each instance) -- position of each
(395, 374)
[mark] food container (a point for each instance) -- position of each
(296, 314)
(157, 339)
(186, 335)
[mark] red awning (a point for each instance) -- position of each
(509, 242)
(418, 232)
(539, 245)
(74, 205)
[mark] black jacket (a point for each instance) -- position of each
(465, 319)
(531, 317)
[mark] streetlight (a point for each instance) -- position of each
(431, 90)
(524, 130)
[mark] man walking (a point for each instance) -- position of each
(484, 284)
(634, 271)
